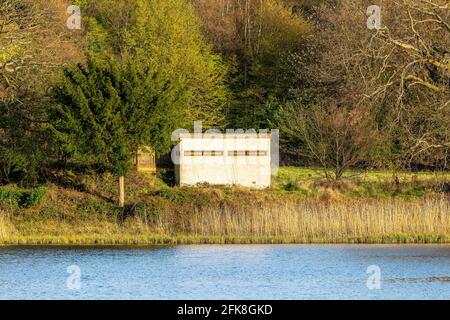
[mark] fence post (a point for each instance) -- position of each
(121, 191)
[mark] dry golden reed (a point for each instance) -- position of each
(7, 229)
(330, 221)
(307, 221)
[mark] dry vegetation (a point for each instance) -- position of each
(159, 214)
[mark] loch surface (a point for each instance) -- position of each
(227, 272)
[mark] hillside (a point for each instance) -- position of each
(301, 207)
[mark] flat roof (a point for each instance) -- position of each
(226, 135)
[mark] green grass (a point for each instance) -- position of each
(309, 173)
(156, 239)
(361, 184)
(15, 197)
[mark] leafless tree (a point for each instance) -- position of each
(399, 73)
(34, 45)
(337, 138)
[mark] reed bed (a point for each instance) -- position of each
(317, 220)
(7, 229)
(424, 220)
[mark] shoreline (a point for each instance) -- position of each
(157, 214)
(151, 246)
(163, 240)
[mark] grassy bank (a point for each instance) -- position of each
(300, 208)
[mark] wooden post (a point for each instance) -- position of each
(121, 191)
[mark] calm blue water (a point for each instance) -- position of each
(226, 272)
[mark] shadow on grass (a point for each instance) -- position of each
(68, 176)
(167, 176)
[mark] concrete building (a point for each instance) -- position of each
(224, 159)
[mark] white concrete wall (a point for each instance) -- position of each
(228, 168)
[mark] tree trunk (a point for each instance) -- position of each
(121, 191)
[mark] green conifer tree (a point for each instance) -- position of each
(106, 110)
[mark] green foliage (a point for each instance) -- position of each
(269, 115)
(13, 164)
(81, 3)
(21, 198)
(9, 197)
(185, 196)
(106, 110)
(164, 36)
(283, 33)
(360, 184)
(293, 186)
(28, 67)
(165, 178)
(148, 73)
(23, 146)
(149, 211)
(32, 197)
(416, 191)
(147, 70)
(262, 76)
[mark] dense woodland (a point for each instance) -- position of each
(342, 95)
